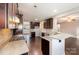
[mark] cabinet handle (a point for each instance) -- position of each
(59, 40)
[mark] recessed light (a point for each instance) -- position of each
(36, 19)
(55, 10)
(35, 6)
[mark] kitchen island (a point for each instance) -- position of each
(55, 43)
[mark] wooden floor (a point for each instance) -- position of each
(35, 46)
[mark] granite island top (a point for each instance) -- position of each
(14, 48)
(59, 36)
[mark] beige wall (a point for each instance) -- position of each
(69, 27)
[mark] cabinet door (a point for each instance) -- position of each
(34, 24)
(48, 24)
(57, 47)
(45, 47)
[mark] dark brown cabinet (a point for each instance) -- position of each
(48, 24)
(45, 46)
(33, 24)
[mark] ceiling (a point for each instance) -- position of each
(69, 16)
(42, 11)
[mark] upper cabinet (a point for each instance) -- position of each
(48, 24)
(34, 24)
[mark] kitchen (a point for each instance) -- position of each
(64, 26)
(43, 28)
(55, 29)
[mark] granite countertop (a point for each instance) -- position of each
(58, 36)
(14, 48)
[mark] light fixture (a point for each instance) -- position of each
(64, 18)
(20, 26)
(36, 19)
(69, 20)
(10, 19)
(55, 10)
(16, 20)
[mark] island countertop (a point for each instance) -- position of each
(59, 36)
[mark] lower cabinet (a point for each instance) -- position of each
(32, 34)
(45, 47)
